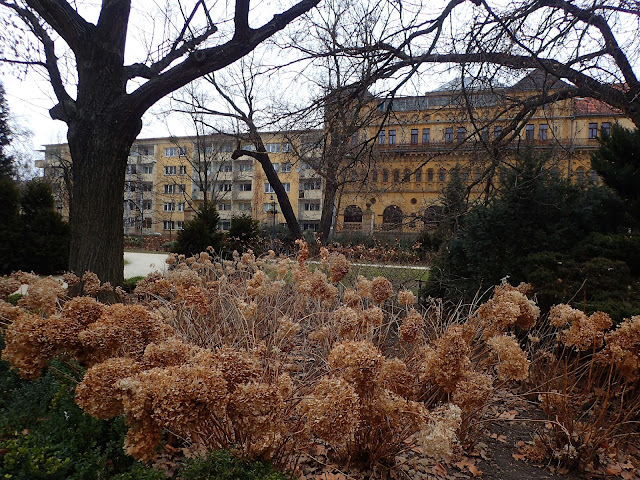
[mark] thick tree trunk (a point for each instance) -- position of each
(99, 151)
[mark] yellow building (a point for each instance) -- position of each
(168, 179)
(418, 141)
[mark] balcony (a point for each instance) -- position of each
(470, 145)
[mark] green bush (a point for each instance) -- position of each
(129, 284)
(243, 234)
(221, 465)
(200, 233)
(561, 237)
(13, 298)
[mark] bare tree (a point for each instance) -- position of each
(240, 103)
(591, 45)
(104, 116)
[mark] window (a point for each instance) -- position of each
(147, 169)
(313, 185)
(442, 175)
(286, 168)
(396, 176)
(170, 170)
(226, 148)
(374, 176)
(268, 207)
(605, 129)
(593, 130)
(244, 206)
(312, 206)
(385, 175)
(179, 225)
(414, 135)
(147, 204)
(226, 167)
(146, 186)
(171, 152)
(381, 137)
(276, 166)
(269, 189)
(528, 132)
(273, 147)
(430, 175)
(484, 134)
(180, 207)
(392, 137)
(245, 167)
(182, 170)
(168, 207)
(224, 207)
(169, 188)
(426, 135)
(580, 174)
(146, 223)
(225, 224)
(407, 175)
(477, 175)
(354, 139)
(131, 169)
(250, 147)
(419, 175)
(286, 147)
(313, 227)
(497, 131)
(224, 187)
(244, 187)
(168, 225)
(462, 134)
(182, 188)
(130, 186)
(543, 131)
(182, 151)
(448, 134)
(145, 149)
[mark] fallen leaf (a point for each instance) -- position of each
(518, 456)
(510, 415)
(439, 470)
(627, 475)
(613, 470)
(520, 444)
(502, 438)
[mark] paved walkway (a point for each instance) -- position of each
(142, 264)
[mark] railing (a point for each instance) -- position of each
(576, 143)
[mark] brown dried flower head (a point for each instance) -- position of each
(447, 362)
(412, 327)
(514, 364)
(381, 289)
(406, 298)
(339, 266)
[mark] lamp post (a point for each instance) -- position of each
(273, 212)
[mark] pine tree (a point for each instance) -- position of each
(617, 161)
(6, 162)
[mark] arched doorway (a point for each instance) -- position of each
(352, 217)
(392, 218)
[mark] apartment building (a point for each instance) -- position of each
(169, 179)
(418, 141)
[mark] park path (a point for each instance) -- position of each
(138, 264)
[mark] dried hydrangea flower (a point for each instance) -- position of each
(339, 267)
(406, 298)
(514, 364)
(381, 289)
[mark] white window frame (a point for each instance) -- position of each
(171, 151)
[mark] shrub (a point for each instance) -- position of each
(243, 234)
(200, 233)
(221, 465)
(538, 229)
(129, 284)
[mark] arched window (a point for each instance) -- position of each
(385, 175)
(353, 214)
(396, 176)
(442, 175)
(580, 174)
(430, 175)
(407, 175)
(374, 176)
(392, 218)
